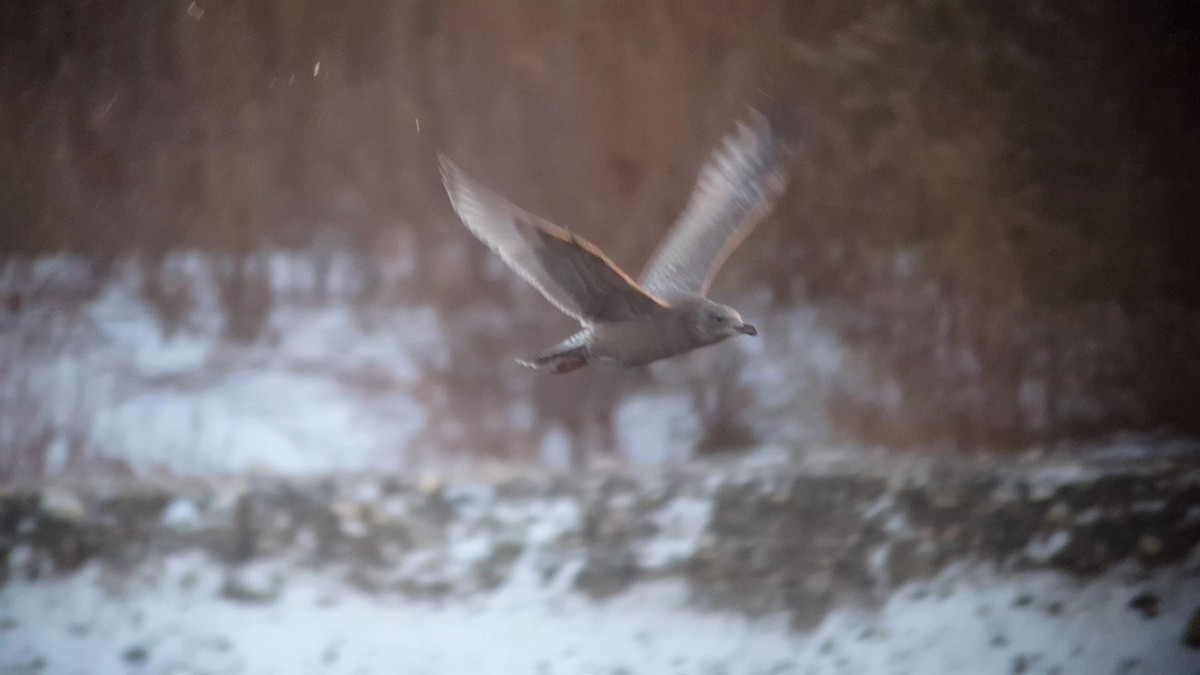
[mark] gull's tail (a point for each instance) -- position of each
(568, 355)
(557, 363)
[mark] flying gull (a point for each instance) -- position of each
(625, 322)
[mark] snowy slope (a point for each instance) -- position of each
(854, 567)
(89, 369)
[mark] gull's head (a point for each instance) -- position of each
(716, 322)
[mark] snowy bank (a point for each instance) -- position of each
(133, 368)
(849, 566)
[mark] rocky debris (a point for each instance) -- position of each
(800, 545)
(779, 538)
(64, 526)
(776, 547)
(606, 573)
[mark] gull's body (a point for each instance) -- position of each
(623, 322)
(658, 335)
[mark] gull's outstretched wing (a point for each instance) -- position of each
(736, 189)
(571, 272)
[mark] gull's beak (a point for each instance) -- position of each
(747, 329)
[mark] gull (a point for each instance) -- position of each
(624, 322)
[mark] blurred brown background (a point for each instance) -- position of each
(995, 209)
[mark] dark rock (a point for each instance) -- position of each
(390, 485)
(135, 655)
(423, 590)
(809, 604)
(328, 532)
(245, 535)
(493, 570)
(913, 559)
(1093, 548)
(606, 573)
(520, 488)
(1145, 603)
(369, 580)
(1127, 666)
(791, 541)
(436, 508)
(1021, 663)
(1006, 530)
(769, 543)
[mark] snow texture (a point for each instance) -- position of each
(89, 368)
(176, 616)
(658, 428)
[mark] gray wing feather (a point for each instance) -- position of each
(574, 275)
(737, 187)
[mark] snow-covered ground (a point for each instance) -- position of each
(172, 617)
(846, 566)
(89, 366)
(434, 570)
(90, 370)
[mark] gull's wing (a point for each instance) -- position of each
(736, 189)
(571, 272)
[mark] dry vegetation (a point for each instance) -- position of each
(995, 202)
